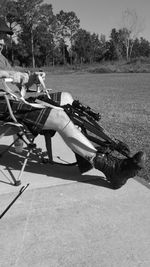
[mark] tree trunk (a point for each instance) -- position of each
(127, 49)
(12, 52)
(64, 58)
(71, 51)
(32, 49)
(131, 48)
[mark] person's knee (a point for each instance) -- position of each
(66, 98)
(57, 120)
(63, 120)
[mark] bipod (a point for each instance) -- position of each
(87, 120)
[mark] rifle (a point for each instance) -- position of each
(87, 119)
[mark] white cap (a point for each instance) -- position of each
(2, 41)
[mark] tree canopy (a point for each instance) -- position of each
(42, 38)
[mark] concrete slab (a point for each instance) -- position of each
(36, 173)
(64, 219)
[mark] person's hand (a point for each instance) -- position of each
(34, 78)
(20, 78)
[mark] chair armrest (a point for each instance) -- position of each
(8, 80)
(2, 93)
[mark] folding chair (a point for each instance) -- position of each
(15, 128)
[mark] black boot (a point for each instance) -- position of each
(118, 171)
(83, 164)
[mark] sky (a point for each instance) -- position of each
(101, 16)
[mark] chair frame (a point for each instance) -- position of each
(21, 134)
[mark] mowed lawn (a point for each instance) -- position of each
(123, 100)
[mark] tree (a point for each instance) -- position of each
(141, 48)
(132, 26)
(28, 18)
(44, 34)
(33, 19)
(9, 13)
(115, 44)
(83, 45)
(144, 47)
(68, 25)
(95, 50)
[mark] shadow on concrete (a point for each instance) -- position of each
(13, 161)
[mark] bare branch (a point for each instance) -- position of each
(132, 22)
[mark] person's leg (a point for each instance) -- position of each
(83, 164)
(57, 98)
(61, 99)
(59, 121)
(117, 171)
(66, 98)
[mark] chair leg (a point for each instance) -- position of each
(48, 143)
(18, 180)
(32, 147)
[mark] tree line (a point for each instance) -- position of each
(42, 39)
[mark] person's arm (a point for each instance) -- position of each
(17, 77)
(4, 74)
(4, 64)
(23, 80)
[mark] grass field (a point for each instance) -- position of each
(123, 100)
